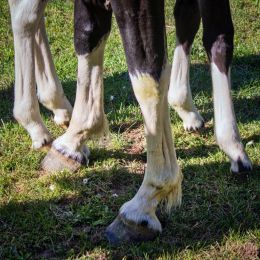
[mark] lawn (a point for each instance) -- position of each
(64, 215)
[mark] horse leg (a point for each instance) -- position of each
(218, 41)
(187, 21)
(92, 27)
(25, 15)
(50, 92)
(142, 28)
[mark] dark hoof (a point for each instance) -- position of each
(43, 143)
(56, 161)
(197, 128)
(122, 231)
(202, 125)
(242, 170)
(193, 129)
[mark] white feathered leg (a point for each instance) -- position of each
(137, 219)
(88, 117)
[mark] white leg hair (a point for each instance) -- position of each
(88, 117)
(226, 130)
(179, 94)
(50, 92)
(162, 180)
(25, 16)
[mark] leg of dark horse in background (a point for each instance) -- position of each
(218, 41)
(92, 27)
(187, 21)
(142, 27)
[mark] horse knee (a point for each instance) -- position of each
(26, 15)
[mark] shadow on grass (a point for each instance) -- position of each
(213, 207)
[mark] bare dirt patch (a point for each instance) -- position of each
(135, 138)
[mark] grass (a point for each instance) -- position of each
(64, 215)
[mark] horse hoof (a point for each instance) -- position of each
(122, 230)
(241, 169)
(42, 143)
(56, 161)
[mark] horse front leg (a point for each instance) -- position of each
(142, 29)
(92, 27)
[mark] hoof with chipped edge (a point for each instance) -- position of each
(56, 161)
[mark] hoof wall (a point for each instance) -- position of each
(42, 145)
(122, 231)
(241, 170)
(55, 161)
(192, 129)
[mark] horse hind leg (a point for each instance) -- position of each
(50, 92)
(218, 33)
(187, 20)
